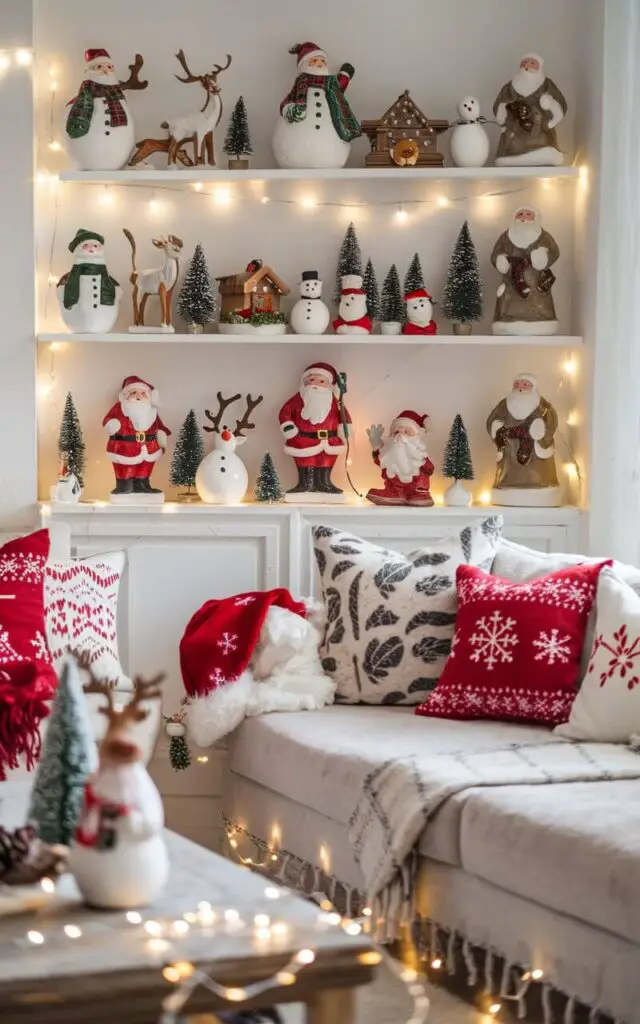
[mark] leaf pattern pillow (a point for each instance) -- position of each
(391, 617)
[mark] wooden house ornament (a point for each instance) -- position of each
(257, 290)
(404, 136)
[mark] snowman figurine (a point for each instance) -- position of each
(99, 131)
(310, 315)
(222, 477)
(88, 296)
(316, 123)
(419, 313)
(352, 312)
(469, 139)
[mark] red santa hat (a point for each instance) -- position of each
(95, 54)
(418, 293)
(304, 50)
(409, 418)
(130, 383)
(322, 370)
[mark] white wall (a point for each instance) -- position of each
(434, 52)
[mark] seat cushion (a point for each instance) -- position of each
(573, 848)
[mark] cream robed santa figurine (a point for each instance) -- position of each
(89, 298)
(522, 427)
(352, 310)
(137, 440)
(529, 107)
(524, 255)
(402, 457)
(314, 423)
(316, 123)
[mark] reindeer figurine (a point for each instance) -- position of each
(196, 128)
(160, 281)
(222, 477)
(118, 855)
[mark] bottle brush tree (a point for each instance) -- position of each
(187, 455)
(268, 488)
(71, 446)
(349, 259)
(392, 308)
(414, 278)
(457, 463)
(462, 298)
(370, 285)
(237, 141)
(197, 304)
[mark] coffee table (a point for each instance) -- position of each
(113, 970)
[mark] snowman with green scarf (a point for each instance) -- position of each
(88, 296)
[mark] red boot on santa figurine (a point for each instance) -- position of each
(137, 440)
(314, 424)
(402, 457)
(419, 313)
(352, 312)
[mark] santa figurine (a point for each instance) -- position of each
(137, 439)
(419, 313)
(352, 311)
(402, 457)
(524, 255)
(316, 124)
(522, 427)
(99, 130)
(315, 423)
(89, 298)
(529, 107)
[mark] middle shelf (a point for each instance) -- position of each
(555, 340)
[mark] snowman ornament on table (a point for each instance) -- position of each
(310, 315)
(419, 305)
(99, 131)
(89, 298)
(222, 478)
(352, 311)
(469, 142)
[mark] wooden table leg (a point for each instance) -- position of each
(333, 1006)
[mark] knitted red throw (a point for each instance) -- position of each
(24, 702)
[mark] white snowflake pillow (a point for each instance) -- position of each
(607, 708)
(81, 605)
(391, 616)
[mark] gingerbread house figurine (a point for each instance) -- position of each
(257, 290)
(404, 136)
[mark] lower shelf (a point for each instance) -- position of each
(556, 340)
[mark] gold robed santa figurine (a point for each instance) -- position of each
(524, 255)
(529, 107)
(522, 427)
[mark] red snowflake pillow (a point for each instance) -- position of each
(516, 650)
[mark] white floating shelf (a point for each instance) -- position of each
(189, 175)
(556, 340)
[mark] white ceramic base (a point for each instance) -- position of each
(251, 329)
(545, 157)
(144, 329)
(457, 495)
(391, 327)
(520, 328)
(527, 497)
(315, 498)
(136, 499)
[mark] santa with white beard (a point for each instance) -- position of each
(99, 131)
(523, 255)
(137, 440)
(402, 457)
(522, 427)
(314, 427)
(529, 107)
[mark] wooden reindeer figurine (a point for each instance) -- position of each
(160, 281)
(222, 477)
(196, 129)
(118, 856)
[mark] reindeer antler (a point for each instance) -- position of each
(146, 689)
(95, 685)
(134, 81)
(220, 67)
(244, 423)
(223, 403)
(182, 60)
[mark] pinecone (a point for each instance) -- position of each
(522, 111)
(546, 280)
(14, 848)
(518, 266)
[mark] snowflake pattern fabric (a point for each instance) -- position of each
(607, 709)
(516, 653)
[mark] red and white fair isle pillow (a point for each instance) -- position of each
(516, 650)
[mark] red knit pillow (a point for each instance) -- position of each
(516, 650)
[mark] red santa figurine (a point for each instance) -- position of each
(314, 423)
(402, 457)
(352, 312)
(419, 313)
(137, 439)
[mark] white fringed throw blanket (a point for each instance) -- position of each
(401, 796)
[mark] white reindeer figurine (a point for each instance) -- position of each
(222, 477)
(160, 281)
(118, 857)
(199, 126)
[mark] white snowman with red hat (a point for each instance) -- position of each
(419, 313)
(316, 124)
(352, 311)
(99, 131)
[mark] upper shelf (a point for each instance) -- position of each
(191, 175)
(392, 340)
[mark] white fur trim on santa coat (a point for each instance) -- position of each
(112, 426)
(289, 429)
(162, 438)
(321, 446)
(135, 460)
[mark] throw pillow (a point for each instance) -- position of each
(390, 616)
(516, 650)
(81, 601)
(607, 708)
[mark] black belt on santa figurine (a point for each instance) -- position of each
(141, 437)
(318, 435)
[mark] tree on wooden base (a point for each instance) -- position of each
(187, 456)
(457, 464)
(462, 298)
(349, 259)
(71, 446)
(237, 143)
(197, 304)
(268, 489)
